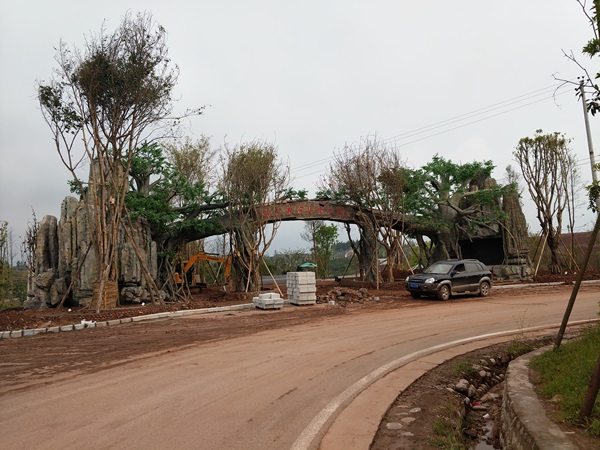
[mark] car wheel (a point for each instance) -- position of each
(484, 289)
(443, 292)
(415, 295)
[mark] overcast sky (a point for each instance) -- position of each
(464, 79)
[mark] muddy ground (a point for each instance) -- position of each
(64, 355)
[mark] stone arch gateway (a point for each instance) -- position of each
(62, 243)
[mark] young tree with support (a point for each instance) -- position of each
(369, 175)
(253, 176)
(101, 104)
(547, 165)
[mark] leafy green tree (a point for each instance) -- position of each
(445, 199)
(286, 260)
(309, 235)
(439, 202)
(194, 160)
(325, 239)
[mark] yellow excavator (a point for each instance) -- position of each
(182, 269)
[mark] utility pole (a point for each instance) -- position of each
(594, 234)
(588, 133)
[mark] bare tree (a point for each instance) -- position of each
(547, 165)
(370, 175)
(254, 177)
(588, 81)
(101, 104)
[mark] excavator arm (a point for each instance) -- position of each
(187, 265)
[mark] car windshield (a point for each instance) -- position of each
(440, 268)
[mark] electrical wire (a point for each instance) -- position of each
(456, 119)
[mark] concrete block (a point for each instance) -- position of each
(66, 328)
(78, 326)
(28, 332)
(302, 302)
(101, 324)
(269, 296)
(263, 303)
(114, 322)
(40, 330)
(126, 320)
(53, 329)
(16, 333)
(4, 334)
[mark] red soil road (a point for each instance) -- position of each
(214, 382)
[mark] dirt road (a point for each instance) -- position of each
(215, 383)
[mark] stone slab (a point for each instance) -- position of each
(267, 303)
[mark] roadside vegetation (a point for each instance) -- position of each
(564, 376)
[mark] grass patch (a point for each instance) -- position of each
(566, 374)
(518, 347)
(448, 430)
(463, 368)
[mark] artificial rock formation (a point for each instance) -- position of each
(65, 253)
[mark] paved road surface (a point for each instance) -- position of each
(262, 391)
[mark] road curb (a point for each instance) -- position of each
(324, 427)
(11, 334)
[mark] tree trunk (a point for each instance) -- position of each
(389, 269)
(367, 245)
(553, 245)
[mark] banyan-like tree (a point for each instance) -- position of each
(436, 204)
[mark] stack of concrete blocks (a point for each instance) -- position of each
(301, 288)
(268, 300)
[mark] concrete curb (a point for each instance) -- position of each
(524, 423)
(156, 316)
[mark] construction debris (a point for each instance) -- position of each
(343, 296)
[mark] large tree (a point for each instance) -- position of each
(548, 165)
(101, 104)
(253, 177)
(447, 200)
(370, 176)
(326, 237)
(194, 160)
(309, 235)
(440, 202)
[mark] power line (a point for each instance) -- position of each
(455, 119)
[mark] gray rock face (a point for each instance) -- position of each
(61, 253)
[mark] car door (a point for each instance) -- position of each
(460, 278)
(473, 275)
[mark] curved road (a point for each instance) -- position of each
(277, 389)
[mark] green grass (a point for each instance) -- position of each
(567, 372)
(518, 347)
(448, 430)
(463, 369)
